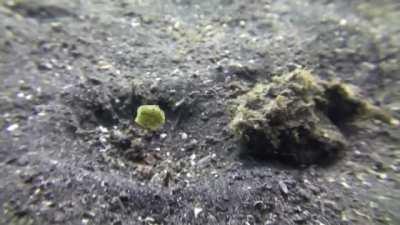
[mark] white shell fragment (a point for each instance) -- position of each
(12, 127)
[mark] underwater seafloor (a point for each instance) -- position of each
(74, 72)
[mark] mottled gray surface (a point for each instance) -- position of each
(73, 73)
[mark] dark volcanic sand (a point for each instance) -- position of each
(74, 72)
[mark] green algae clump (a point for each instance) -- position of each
(150, 117)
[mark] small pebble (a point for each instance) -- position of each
(12, 127)
(192, 159)
(184, 135)
(103, 139)
(45, 66)
(197, 211)
(342, 22)
(283, 187)
(42, 114)
(345, 185)
(149, 219)
(103, 129)
(135, 23)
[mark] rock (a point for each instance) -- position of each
(12, 127)
(341, 103)
(183, 135)
(163, 136)
(296, 117)
(283, 187)
(197, 211)
(45, 66)
(282, 119)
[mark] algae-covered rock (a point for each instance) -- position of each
(150, 117)
(295, 117)
(344, 104)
